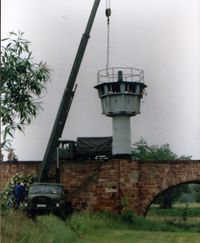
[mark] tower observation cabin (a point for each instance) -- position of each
(120, 91)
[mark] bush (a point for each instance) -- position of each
(7, 197)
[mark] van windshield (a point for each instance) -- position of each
(48, 189)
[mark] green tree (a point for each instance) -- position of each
(21, 86)
(142, 151)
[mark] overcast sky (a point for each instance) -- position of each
(162, 37)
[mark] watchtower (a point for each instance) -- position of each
(120, 91)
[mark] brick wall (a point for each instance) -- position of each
(9, 169)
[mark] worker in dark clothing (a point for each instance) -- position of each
(18, 194)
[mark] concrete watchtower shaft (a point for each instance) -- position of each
(121, 90)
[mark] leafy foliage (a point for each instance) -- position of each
(143, 151)
(22, 83)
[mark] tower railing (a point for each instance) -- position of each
(111, 75)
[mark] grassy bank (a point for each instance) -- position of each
(16, 227)
(87, 227)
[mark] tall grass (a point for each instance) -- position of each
(16, 227)
(83, 227)
(87, 222)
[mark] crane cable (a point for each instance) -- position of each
(108, 14)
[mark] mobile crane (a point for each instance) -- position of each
(67, 98)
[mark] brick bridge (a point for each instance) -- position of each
(111, 184)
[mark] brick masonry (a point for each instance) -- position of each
(112, 184)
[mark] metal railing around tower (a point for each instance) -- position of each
(111, 75)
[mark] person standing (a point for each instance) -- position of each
(18, 194)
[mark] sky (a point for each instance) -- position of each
(162, 37)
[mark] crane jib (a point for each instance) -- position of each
(66, 99)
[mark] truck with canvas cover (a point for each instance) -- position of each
(93, 147)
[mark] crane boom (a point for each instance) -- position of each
(66, 100)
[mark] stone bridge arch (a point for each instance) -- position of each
(167, 189)
(157, 177)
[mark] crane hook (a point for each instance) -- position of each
(108, 11)
(108, 14)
